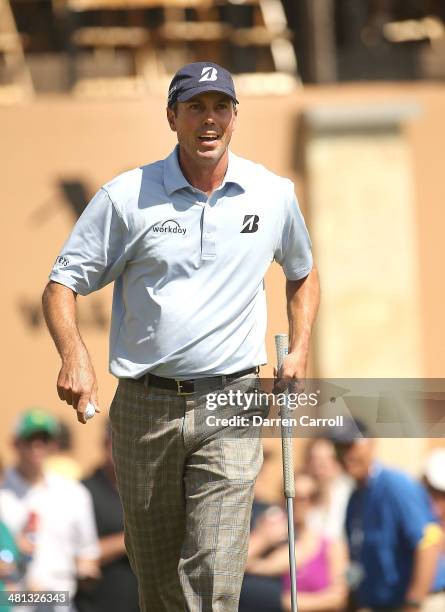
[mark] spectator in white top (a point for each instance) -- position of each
(328, 515)
(434, 479)
(57, 514)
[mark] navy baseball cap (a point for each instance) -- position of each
(197, 78)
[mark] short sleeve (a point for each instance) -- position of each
(411, 509)
(94, 254)
(294, 250)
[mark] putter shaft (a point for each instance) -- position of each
(281, 343)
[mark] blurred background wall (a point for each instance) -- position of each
(346, 97)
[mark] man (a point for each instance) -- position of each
(434, 479)
(56, 514)
(116, 591)
(394, 541)
(187, 241)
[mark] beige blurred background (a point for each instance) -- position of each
(358, 125)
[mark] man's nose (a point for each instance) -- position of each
(209, 117)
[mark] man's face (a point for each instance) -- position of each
(204, 126)
(322, 461)
(34, 450)
(356, 457)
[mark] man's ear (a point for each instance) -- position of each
(171, 118)
(235, 117)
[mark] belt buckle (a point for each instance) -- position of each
(179, 389)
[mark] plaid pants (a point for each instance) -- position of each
(187, 492)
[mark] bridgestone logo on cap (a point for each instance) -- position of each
(208, 74)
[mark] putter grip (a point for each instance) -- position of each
(281, 345)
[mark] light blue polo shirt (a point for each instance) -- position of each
(188, 296)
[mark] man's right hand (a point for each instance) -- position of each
(77, 384)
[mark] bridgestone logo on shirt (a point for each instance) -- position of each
(169, 227)
(250, 224)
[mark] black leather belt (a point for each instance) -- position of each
(187, 387)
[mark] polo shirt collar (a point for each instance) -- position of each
(174, 180)
(173, 177)
(234, 172)
(20, 485)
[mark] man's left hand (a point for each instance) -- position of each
(292, 374)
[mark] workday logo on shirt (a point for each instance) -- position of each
(169, 227)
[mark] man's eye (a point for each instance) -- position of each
(194, 106)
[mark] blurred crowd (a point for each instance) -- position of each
(368, 537)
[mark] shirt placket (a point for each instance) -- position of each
(208, 232)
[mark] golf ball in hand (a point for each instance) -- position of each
(90, 411)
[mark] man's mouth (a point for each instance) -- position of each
(208, 137)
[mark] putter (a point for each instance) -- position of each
(281, 345)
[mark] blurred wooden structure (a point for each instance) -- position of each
(17, 85)
(190, 30)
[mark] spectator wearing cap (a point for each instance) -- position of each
(56, 513)
(434, 479)
(394, 539)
